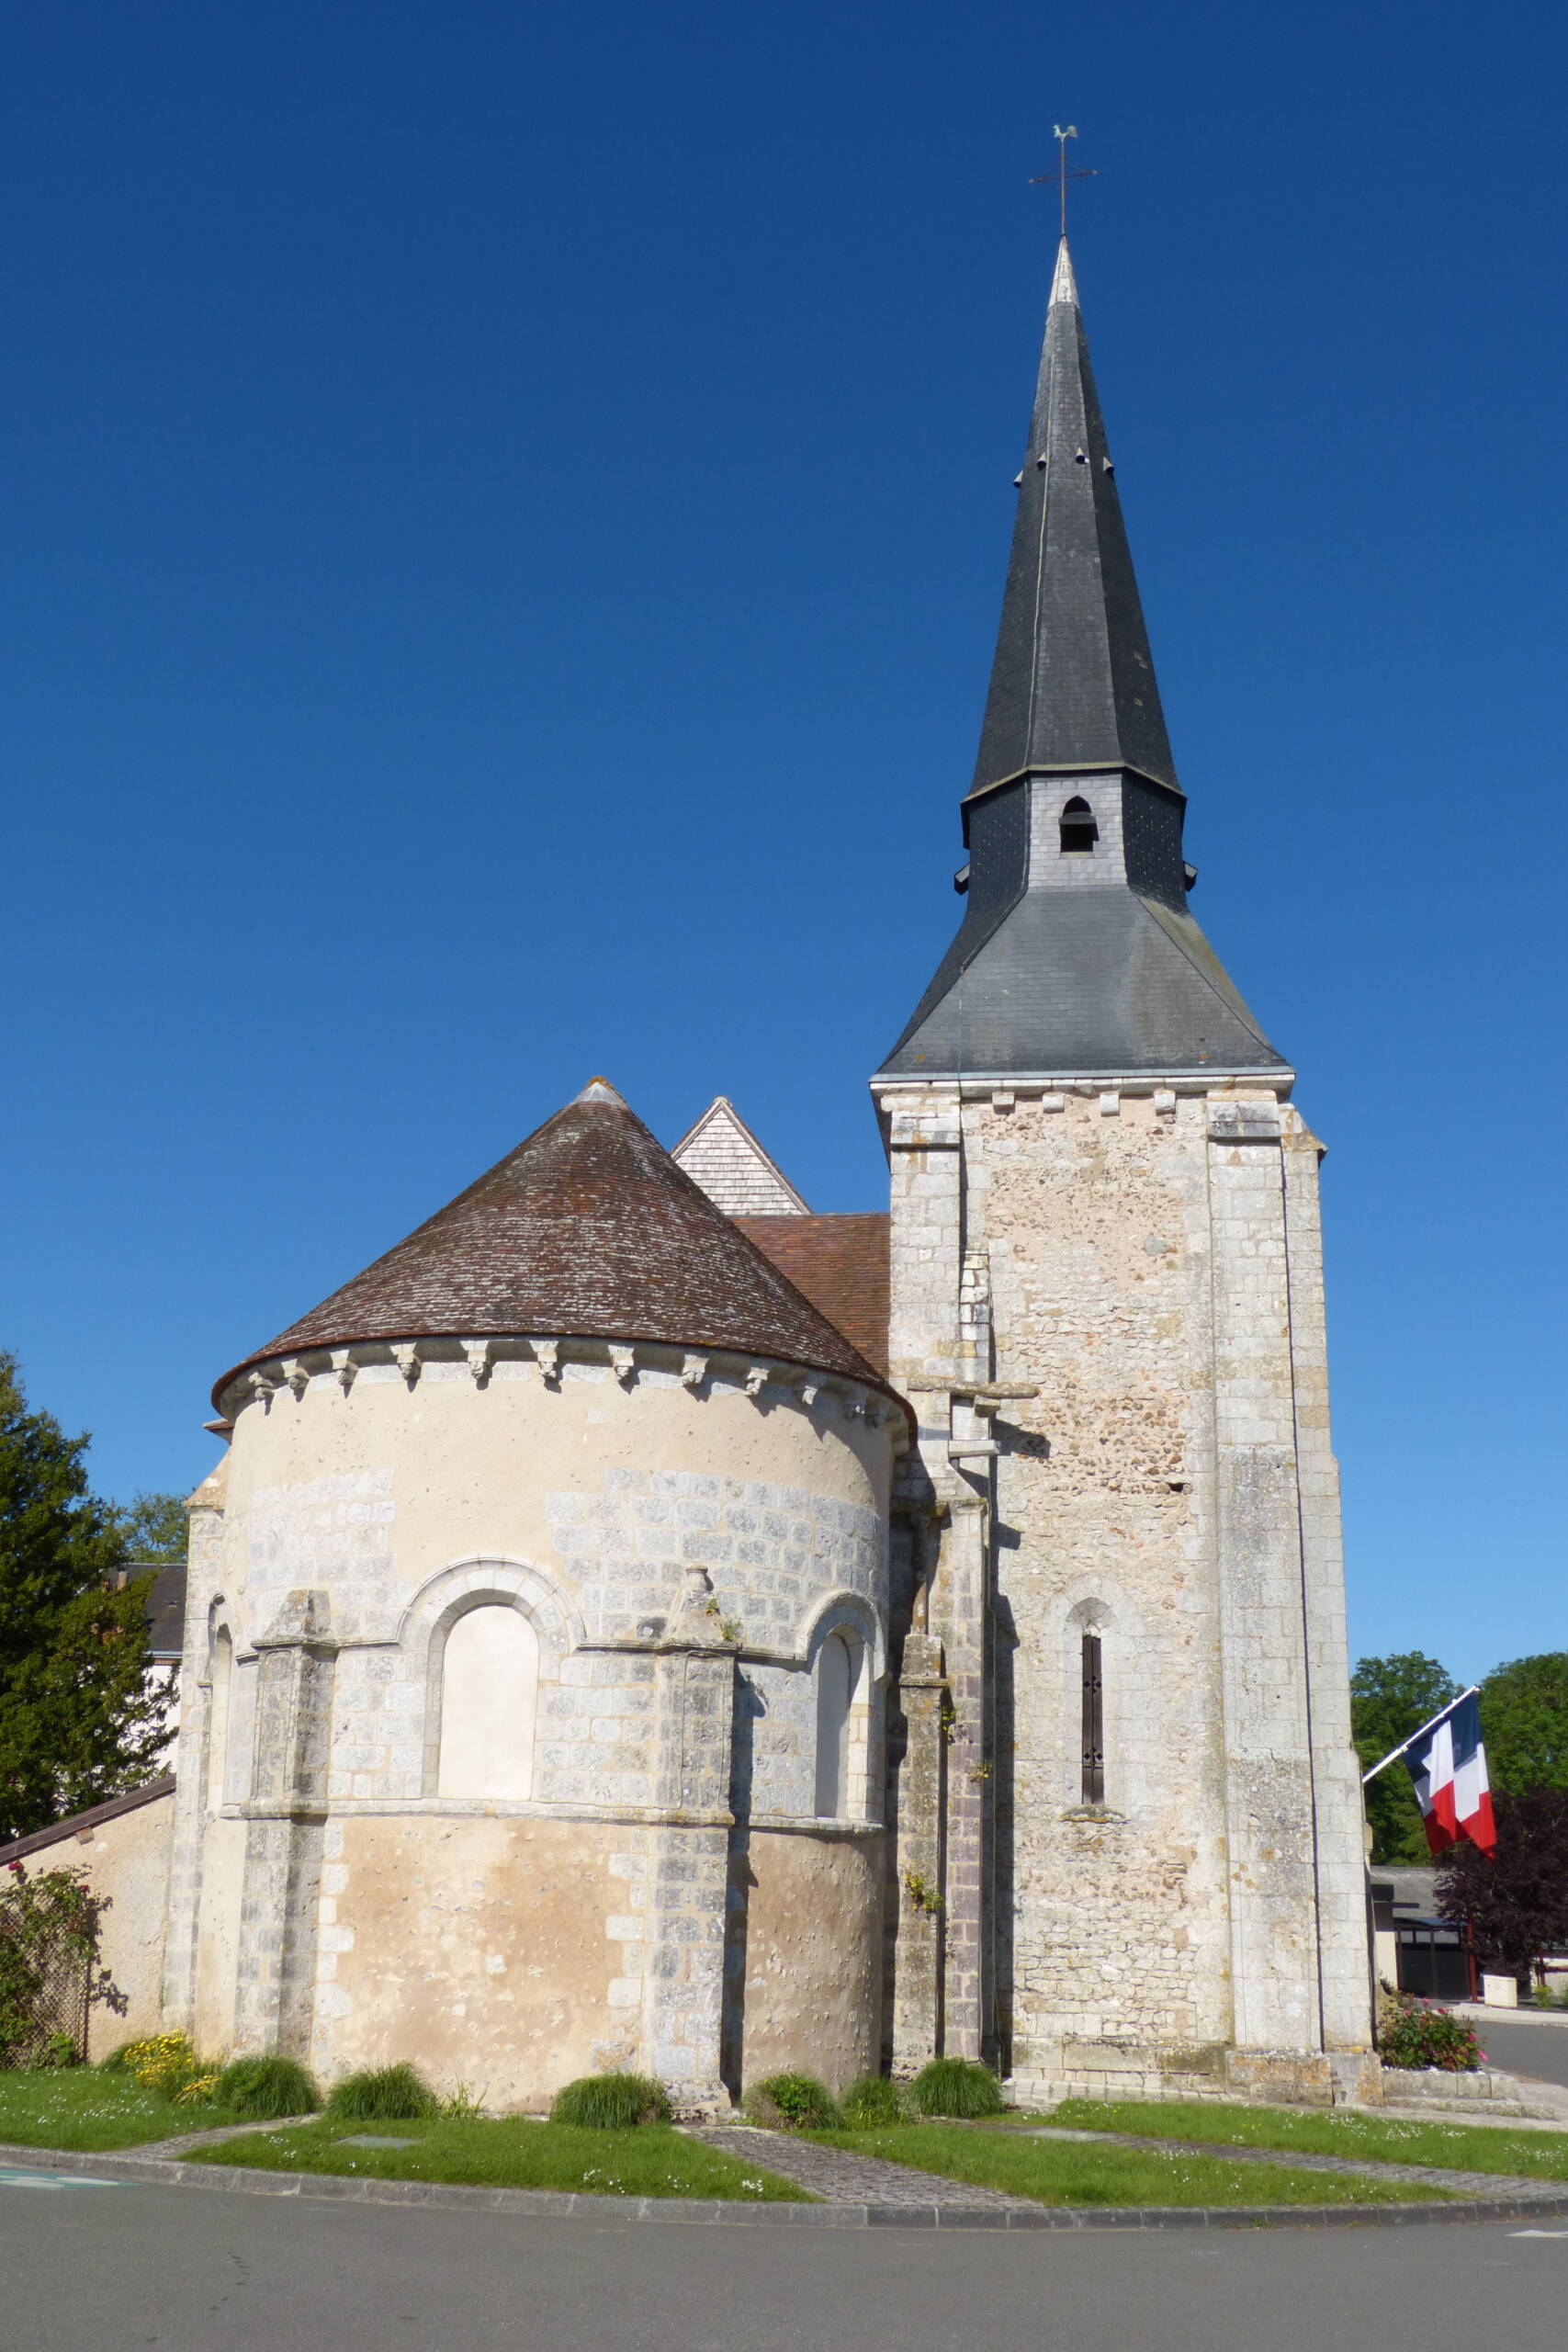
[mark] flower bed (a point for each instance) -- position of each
(1418, 2035)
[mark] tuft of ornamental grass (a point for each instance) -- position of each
(793, 2103)
(962, 2086)
(869, 2100)
(611, 2102)
(267, 2088)
(383, 2095)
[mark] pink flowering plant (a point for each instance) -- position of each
(1417, 2033)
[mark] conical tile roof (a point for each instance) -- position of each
(587, 1230)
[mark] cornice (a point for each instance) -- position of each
(551, 1361)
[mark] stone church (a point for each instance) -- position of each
(641, 1621)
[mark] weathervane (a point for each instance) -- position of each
(1061, 174)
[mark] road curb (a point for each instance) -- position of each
(548, 2204)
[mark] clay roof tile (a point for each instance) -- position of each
(587, 1230)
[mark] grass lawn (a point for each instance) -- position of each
(1541, 2155)
(1060, 2173)
(507, 2152)
(77, 2107)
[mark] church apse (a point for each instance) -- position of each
(513, 1603)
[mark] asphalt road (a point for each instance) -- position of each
(195, 2270)
(1522, 2047)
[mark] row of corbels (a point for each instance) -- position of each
(297, 1372)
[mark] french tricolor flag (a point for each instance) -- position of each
(1447, 1764)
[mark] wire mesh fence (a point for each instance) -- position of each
(47, 1979)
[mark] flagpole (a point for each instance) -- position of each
(1414, 1735)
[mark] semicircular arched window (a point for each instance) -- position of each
(489, 1688)
(838, 1673)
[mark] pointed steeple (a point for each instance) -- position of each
(1078, 956)
(1073, 683)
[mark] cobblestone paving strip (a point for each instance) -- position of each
(843, 2178)
(183, 2142)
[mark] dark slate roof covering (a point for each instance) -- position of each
(1109, 977)
(1086, 983)
(587, 1230)
(1073, 682)
(841, 1264)
(165, 1605)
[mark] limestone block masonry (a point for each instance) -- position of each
(1128, 1441)
(655, 1888)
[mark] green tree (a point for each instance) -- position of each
(1391, 1698)
(1524, 1722)
(151, 1528)
(80, 1711)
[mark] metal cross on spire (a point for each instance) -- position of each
(1061, 174)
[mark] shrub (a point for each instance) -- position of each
(955, 2087)
(118, 2060)
(267, 2088)
(793, 2103)
(200, 2090)
(612, 2102)
(383, 2095)
(164, 2063)
(1410, 2032)
(872, 2099)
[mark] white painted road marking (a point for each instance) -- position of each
(11, 2177)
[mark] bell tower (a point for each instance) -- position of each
(1128, 1812)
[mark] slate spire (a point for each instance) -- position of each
(1073, 683)
(1077, 956)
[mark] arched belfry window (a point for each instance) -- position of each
(838, 1672)
(489, 1688)
(1079, 832)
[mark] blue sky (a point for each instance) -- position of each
(505, 517)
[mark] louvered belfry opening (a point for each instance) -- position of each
(1078, 831)
(1093, 1723)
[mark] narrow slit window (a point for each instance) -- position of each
(1079, 832)
(1093, 1723)
(219, 1698)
